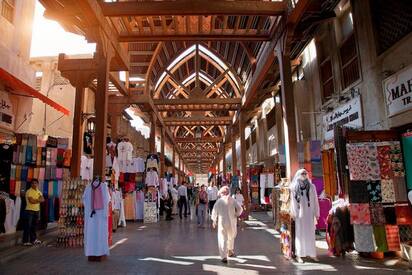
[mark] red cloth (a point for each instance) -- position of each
(403, 214)
(324, 206)
(392, 237)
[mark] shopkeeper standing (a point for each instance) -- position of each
(33, 199)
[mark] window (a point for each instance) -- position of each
(349, 61)
(325, 67)
(7, 10)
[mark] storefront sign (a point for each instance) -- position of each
(6, 112)
(349, 114)
(398, 91)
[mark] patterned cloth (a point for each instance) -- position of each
(374, 190)
(405, 233)
(390, 214)
(379, 234)
(359, 213)
(392, 238)
(403, 214)
(385, 162)
(401, 194)
(357, 161)
(397, 160)
(388, 191)
(364, 240)
(358, 192)
(377, 214)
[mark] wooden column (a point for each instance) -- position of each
(245, 188)
(162, 153)
(152, 139)
(173, 160)
(77, 137)
(101, 106)
(234, 156)
(288, 111)
(115, 119)
(224, 159)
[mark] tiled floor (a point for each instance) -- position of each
(179, 247)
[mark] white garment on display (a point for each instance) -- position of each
(267, 180)
(225, 214)
(152, 179)
(138, 164)
(117, 200)
(304, 213)
(122, 218)
(96, 231)
(109, 162)
(163, 188)
(239, 199)
(9, 225)
(116, 169)
(152, 163)
(86, 168)
(17, 207)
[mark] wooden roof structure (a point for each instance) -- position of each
(195, 64)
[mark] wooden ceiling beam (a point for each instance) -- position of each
(135, 37)
(193, 7)
(197, 101)
(199, 140)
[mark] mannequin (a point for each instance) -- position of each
(304, 210)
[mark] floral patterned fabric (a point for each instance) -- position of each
(364, 240)
(359, 213)
(385, 165)
(388, 191)
(374, 190)
(377, 214)
(358, 192)
(397, 160)
(392, 238)
(363, 161)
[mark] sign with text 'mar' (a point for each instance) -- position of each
(398, 91)
(6, 111)
(348, 114)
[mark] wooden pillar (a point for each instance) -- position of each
(245, 189)
(115, 118)
(77, 137)
(152, 139)
(162, 153)
(234, 156)
(173, 160)
(288, 111)
(101, 106)
(224, 160)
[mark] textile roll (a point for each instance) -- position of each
(50, 189)
(385, 162)
(359, 213)
(374, 190)
(24, 173)
(42, 173)
(363, 161)
(30, 173)
(401, 194)
(13, 187)
(379, 234)
(13, 172)
(46, 188)
(67, 158)
(17, 188)
(388, 191)
(60, 157)
(392, 238)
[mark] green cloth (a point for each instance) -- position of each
(379, 233)
(407, 156)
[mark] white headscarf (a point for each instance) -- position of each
(224, 191)
(295, 186)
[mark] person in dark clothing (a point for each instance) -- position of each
(168, 206)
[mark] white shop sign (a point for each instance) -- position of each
(6, 112)
(398, 91)
(348, 114)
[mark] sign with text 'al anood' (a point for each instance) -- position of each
(348, 114)
(398, 91)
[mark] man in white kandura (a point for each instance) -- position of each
(305, 211)
(224, 216)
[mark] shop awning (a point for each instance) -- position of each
(23, 89)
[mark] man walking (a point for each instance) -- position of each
(201, 205)
(33, 199)
(183, 201)
(212, 193)
(224, 216)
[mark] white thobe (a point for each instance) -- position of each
(96, 228)
(225, 214)
(304, 215)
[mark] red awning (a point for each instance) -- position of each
(19, 86)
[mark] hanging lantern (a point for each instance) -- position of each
(91, 126)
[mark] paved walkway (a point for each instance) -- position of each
(179, 247)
